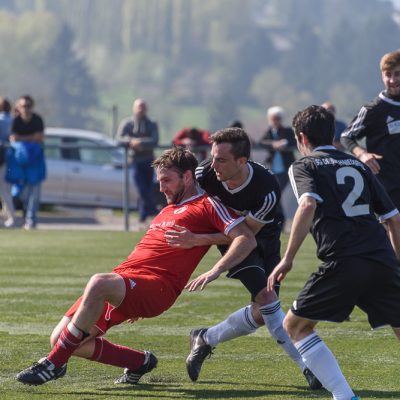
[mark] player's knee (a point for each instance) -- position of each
(98, 284)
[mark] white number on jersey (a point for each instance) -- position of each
(349, 207)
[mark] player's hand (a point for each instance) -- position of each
(278, 274)
(181, 237)
(371, 159)
(201, 281)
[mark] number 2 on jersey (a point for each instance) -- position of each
(349, 207)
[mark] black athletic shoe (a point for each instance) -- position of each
(312, 380)
(41, 372)
(199, 351)
(132, 377)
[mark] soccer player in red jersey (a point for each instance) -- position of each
(148, 282)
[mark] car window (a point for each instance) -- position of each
(70, 153)
(52, 147)
(94, 153)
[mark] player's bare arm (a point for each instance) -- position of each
(368, 158)
(182, 237)
(302, 222)
(393, 228)
(179, 236)
(243, 242)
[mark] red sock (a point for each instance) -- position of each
(66, 344)
(119, 356)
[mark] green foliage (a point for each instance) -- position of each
(79, 58)
(42, 273)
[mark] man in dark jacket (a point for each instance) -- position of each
(141, 136)
(280, 144)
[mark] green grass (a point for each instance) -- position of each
(42, 272)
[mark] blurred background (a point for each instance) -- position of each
(196, 62)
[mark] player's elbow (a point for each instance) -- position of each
(251, 241)
(308, 204)
(393, 225)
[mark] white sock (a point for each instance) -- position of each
(320, 360)
(239, 323)
(273, 317)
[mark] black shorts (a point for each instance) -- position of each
(331, 293)
(254, 270)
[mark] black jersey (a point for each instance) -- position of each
(348, 196)
(257, 198)
(379, 122)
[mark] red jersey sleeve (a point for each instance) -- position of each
(221, 217)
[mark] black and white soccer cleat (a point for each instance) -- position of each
(132, 377)
(312, 380)
(199, 351)
(41, 372)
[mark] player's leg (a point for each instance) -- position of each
(243, 322)
(101, 288)
(95, 348)
(317, 356)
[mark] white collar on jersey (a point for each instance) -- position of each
(388, 100)
(243, 185)
(200, 193)
(325, 147)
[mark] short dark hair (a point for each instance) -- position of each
(28, 99)
(317, 123)
(177, 158)
(237, 137)
(5, 105)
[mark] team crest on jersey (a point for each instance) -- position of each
(180, 210)
(393, 126)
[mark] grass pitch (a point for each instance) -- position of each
(43, 272)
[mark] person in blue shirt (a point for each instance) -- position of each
(28, 132)
(5, 190)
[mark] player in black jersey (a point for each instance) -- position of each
(338, 198)
(379, 122)
(251, 190)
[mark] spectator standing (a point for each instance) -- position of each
(5, 190)
(379, 122)
(141, 136)
(27, 140)
(195, 140)
(280, 144)
(340, 126)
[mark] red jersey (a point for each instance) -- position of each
(153, 255)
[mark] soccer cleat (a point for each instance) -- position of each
(312, 380)
(355, 398)
(199, 351)
(132, 377)
(41, 372)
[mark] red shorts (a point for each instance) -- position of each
(146, 296)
